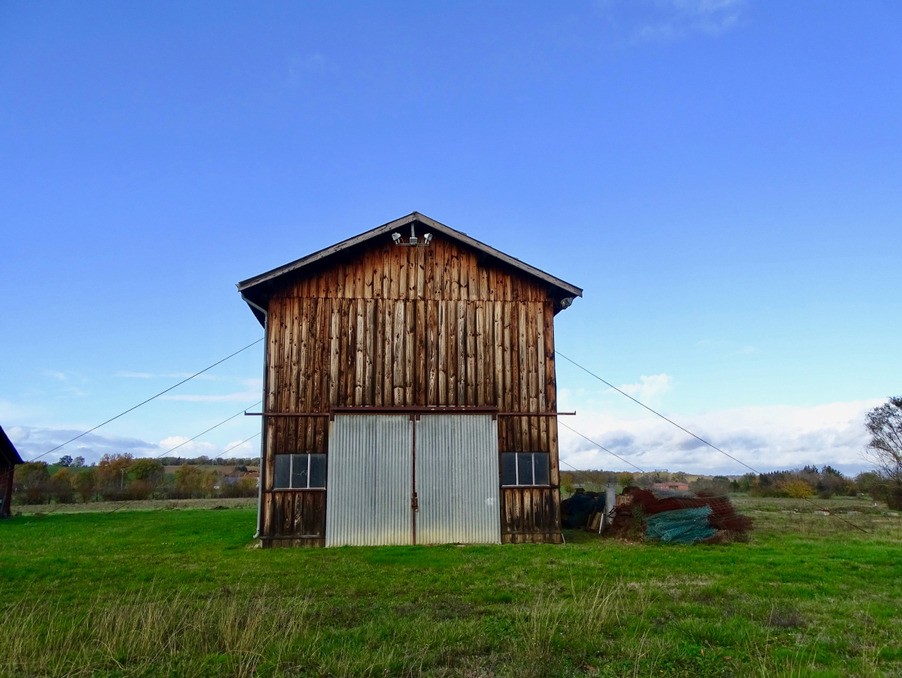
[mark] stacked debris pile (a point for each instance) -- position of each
(582, 508)
(676, 518)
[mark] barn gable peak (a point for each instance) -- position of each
(256, 291)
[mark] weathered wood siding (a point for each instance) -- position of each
(396, 326)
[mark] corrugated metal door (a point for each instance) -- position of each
(370, 480)
(457, 479)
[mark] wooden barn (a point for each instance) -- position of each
(9, 457)
(410, 393)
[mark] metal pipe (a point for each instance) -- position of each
(262, 482)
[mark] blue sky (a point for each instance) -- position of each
(722, 177)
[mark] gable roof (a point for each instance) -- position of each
(8, 452)
(256, 291)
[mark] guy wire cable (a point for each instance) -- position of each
(144, 402)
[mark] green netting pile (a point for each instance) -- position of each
(683, 526)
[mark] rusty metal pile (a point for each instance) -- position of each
(676, 518)
(662, 516)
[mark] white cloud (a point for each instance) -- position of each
(242, 448)
(649, 388)
(667, 20)
(183, 446)
(765, 438)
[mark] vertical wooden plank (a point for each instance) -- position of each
(522, 373)
(470, 379)
(539, 312)
(379, 347)
(451, 346)
(370, 353)
(398, 354)
(387, 357)
(422, 257)
(498, 349)
(359, 279)
(410, 371)
(447, 272)
(309, 365)
(369, 270)
(412, 266)
(394, 272)
(514, 373)
(321, 369)
(403, 267)
(479, 353)
(442, 352)
(452, 274)
(334, 364)
(550, 371)
(508, 364)
(342, 376)
(359, 315)
(294, 372)
(281, 367)
(438, 264)
(421, 389)
(461, 345)
(432, 352)
(384, 275)
(349, 282)
(463, 275)
(532, 380)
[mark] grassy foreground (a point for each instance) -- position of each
(146, 593)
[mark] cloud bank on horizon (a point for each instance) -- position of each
(33, 443)
(765, 438)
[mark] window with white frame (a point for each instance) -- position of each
(300, 471)
(524, 468)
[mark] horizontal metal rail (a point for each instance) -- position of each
(410, 410)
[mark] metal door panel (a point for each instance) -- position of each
(457, 479)
(369, 480)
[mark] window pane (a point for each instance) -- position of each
(317, 470)
(524, 468)
(540, 464)
(283, 476)
(508, 468)
(299, 471)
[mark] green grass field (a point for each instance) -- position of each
(183, 592)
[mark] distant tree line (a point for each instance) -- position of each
(808, 481)
(121, 477)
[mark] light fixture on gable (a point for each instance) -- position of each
(413, 240)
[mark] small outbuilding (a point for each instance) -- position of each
(409, 392)
(9, 457)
